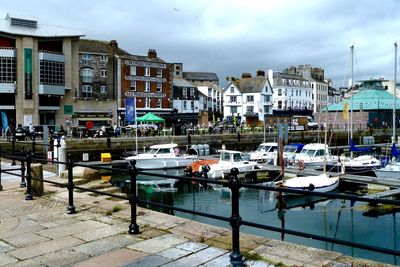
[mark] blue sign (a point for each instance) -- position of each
(130, 110)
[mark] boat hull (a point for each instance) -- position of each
(162, 163)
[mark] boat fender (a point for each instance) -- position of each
(300, 164)
(311, 187)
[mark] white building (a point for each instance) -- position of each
(290, 91)
(248, 97)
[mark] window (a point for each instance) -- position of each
(103, 89)
(159, 72)
(191, 91)
(52, 72)
(86, 58)
(233, 110)
(232, 89)
(147, 86)
(104, 58)
(279, 104)
(233, 99)
(87, 75)
(249, 109)
(7, 70)
(184, 104)
(184, 91)
(280, 91)
(250, 98)
(133, 85)
(146, 71)
(132, 70)
(159, 87)
(159, 103)
(147, 102)
(103, 73)
(87, 90)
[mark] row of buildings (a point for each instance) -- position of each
(49, 75)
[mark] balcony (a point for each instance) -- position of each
(7, 52)
(51, 56)
(45, 89)
(7, 88)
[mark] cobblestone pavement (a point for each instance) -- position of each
(39, 232)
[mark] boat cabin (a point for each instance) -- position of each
(230, 156)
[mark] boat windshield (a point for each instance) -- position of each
(264, 149)
(152, 151)
(308, 152)
(289, 149)
(237, 157)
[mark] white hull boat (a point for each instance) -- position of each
(313, 156)
(390, 171)
(162, 156)
(316, 183)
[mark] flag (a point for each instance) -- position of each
(130, 110)
(346, 111)
(261, 111)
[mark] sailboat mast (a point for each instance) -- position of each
(351, 91)
(394, 94)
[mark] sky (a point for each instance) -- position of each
(231, 37)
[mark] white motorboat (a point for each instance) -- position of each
(363, 164)
(265, 152)
(313, 155)
(317, 183)
(162, 156)
(391, 170)
(228, 159)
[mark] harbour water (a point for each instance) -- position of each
(341, 219)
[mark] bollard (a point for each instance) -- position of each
(235, 221)
(70, 186)
(133, 228)
(13, 148)
(23, 183)
(28, 178)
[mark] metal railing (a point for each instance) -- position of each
(234, 184)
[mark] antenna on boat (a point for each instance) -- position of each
(351, 91)
(394, 95)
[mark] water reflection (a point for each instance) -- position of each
(341, 219)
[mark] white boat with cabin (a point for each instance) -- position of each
(162, 156)
(228, 159)
(265, 152)
(313, 156)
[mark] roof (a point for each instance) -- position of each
(97, 46)
(182, 83)
(368, 99)
(251, 85)
(144, 58)
(200, 76)
(284, 75)
(40, 30)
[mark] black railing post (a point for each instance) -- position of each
(28, 177)
(23, 183)
(235, 220)
(13, 147)
(133, 227)
(70, 186)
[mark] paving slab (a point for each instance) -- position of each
(158, 243)
(192, 246)
(117, 257)
(24, 240)
(61, 258)
(98, 247)
(46, 247)
(149, 261)
(201, 257)
(102, 232)
(174, 253)
(7, 259)
(71, 229)
(4, 247)
(221, 261)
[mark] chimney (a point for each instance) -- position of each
(260, 73)
(152, 53)
(246, 75)
(113, 43)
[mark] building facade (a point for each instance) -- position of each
(46, 58)
(248, 98)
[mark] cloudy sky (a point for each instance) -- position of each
(232, 37)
